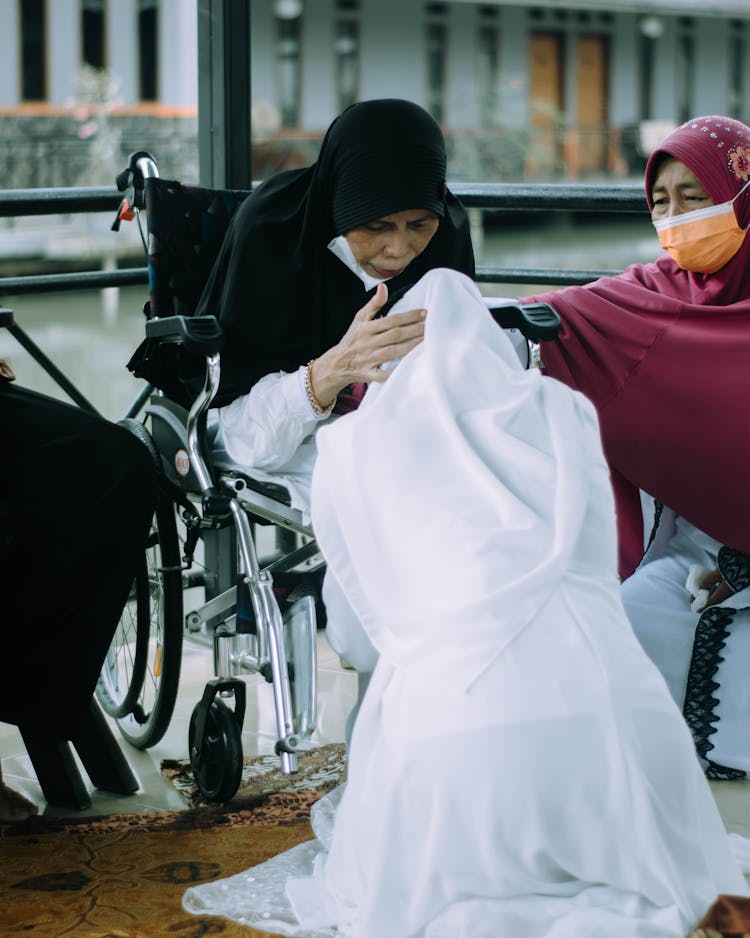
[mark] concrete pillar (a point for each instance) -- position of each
(623, 90)
(178, 53)
(461, 93)
(63, 50)
(711, 65)
(263, 56)
(317, 85)
(665, 96)
(10, 53)
(122, 47)
(400, 28)
(514, 68)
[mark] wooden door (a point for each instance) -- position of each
(592, 102)
(546, 103)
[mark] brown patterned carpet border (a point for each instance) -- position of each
(123, 876)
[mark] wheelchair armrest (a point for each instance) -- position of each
(536, 321)
(6, 318)
(201, 335)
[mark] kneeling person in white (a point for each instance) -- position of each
(517, 767)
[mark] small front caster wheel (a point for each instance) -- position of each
(218, 770)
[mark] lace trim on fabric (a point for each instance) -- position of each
(735, 567)
(700, 703)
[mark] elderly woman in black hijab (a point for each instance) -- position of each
(311, 260)
(297, 284)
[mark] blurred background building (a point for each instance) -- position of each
(549, 90)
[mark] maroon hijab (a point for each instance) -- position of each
(664, 354)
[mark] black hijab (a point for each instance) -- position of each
(282, 297)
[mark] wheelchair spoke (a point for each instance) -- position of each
(147, 649)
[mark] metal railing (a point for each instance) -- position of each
(495, 197)
(477, 197)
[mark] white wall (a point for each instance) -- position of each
(623, 80)
(318, 92)
(514, 58)
(63, 50)
(393, 50)
(711, 80)
(10, 54)
(178, 53)
(122, 46)
(461, 99)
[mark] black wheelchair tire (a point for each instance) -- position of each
(149, 717)
(122, 674)
(219, 772)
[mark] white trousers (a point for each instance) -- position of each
(658, 606)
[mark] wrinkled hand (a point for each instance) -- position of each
(366, 345)
(717, 586)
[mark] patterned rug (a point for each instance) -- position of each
(320, 770)
(123, 876)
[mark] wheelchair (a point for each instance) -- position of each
(259, 613)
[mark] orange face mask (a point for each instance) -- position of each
(704, 240)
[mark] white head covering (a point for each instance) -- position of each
(477, 466)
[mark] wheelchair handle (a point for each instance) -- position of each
(536, 321)
(201, 335)
(141, 166)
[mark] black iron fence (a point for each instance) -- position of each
(477, 197)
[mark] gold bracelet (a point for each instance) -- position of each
(317, 407)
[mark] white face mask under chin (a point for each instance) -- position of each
(340, 247)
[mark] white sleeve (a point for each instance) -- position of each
(264, 428)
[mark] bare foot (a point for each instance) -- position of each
(14, 807)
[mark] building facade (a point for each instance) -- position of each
(578, 89)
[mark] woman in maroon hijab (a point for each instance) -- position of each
(663, 351)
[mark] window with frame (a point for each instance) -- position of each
(148, 50)
(93, 33)
(346, 46)
(289, 60)
(437, 56)
(32, 18)
(646, 58)
(737, 58)
(488, 63)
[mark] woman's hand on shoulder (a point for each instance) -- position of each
(366, 345)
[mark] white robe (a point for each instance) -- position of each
(707, 678)
(518, 767)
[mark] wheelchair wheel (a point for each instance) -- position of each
(219, 771)
(142, 668)
(124, 668)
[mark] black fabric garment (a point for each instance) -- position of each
(76, 497)
(280, 294)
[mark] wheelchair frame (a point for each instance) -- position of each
(240, 616)
(139, 681)
(278, 647)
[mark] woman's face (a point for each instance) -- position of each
(384, 247)
(676, 191)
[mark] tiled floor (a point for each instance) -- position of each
(337, 691)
